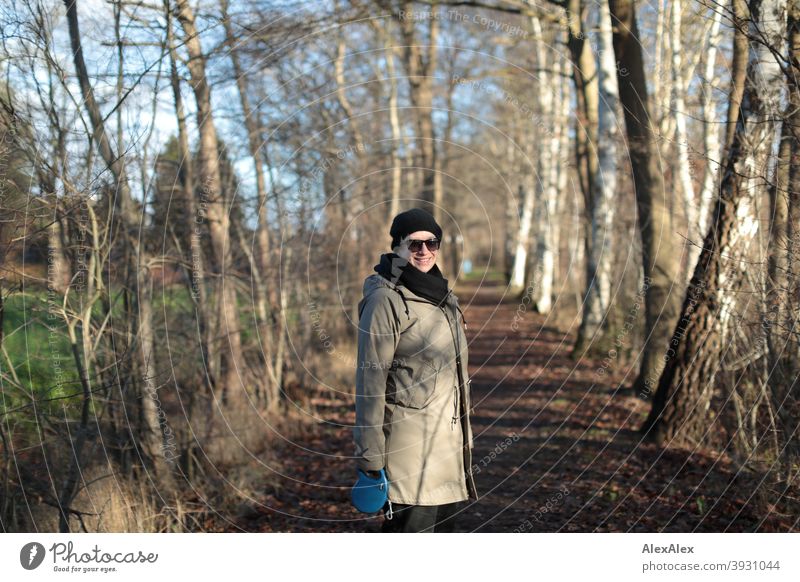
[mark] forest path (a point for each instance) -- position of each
(556, 448)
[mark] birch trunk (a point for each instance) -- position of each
(681, 139)
(563, 163)
(527, 198)
(548, 230)
(601, 213)
(782, 280)
(608, 133)
(662, 96)
(711, 130)
(682, 401)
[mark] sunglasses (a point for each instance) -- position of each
(416, 245)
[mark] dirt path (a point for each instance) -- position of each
(556, 449)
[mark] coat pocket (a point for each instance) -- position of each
(415, 384)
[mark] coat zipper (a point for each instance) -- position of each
(467, 456)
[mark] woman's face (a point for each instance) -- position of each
(423, 259)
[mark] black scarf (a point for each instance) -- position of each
(431, 285)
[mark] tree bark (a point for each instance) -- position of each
(421, 67)
(681, 165)
(196, 264)
(660, 263)
(549, 231)
(782, 280)
(228, 334)
(600, 213)
(711, 133)
(681, 404)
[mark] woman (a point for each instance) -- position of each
(412, 386)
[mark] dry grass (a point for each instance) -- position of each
(238, 460)
(107, 502)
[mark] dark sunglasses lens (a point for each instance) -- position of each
(416, 245)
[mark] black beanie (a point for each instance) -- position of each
(411, 221)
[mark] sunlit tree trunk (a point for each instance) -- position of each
(681, 141)
(420, 63)
(383, 31)
(587, 97)
(711, 132)
(659, 257)
(549, 227)
(58, 267)
(682, 401)
(527, 198)
(228, 334)
(601, 213)
(195, 265)
(608, 132)
(782, 278)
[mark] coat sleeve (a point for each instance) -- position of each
(378, 336)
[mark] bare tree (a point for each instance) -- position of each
(419, 60)
(660, 261)
(152, 438)
(227, 337)
(260, 268)
(600, 210)
(681, 404)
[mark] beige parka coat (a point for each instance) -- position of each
(413, 395)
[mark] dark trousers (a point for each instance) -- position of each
(421, 518)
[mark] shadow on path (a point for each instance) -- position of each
(556, 448)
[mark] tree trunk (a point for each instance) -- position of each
(196, 264)
(549, 227)
(228, 335)
(681, 404)
(782, 279)
(600, 215)
(660, 70)
(152, 438)
(587, 94)
(260, 259)
(681, 164)
(711, 142)
(58, 267)
(526, 198)
(384, 34)
(607, 153)
(420, 63)
(660, 263)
